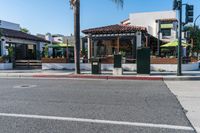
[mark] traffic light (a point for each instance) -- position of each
(175, 4)
(189, 16)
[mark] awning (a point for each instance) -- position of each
(60, 45)
(174, 44)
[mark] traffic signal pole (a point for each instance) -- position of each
(179, 60)
(177, 5)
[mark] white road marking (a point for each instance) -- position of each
(150, 125)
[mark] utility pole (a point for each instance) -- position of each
(158, 42)
(177, 5)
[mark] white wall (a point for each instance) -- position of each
(58, 39)
(148, 19)
(6, 66)
(4, 51)
(126, 67)
(9, 25)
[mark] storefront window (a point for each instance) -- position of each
(166, 32)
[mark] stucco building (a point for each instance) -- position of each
(148, 29)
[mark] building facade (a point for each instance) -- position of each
(104, 42)
(162, 25)
(16, 45)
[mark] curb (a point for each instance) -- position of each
(194, 78)
(104, 77)
(100, 77)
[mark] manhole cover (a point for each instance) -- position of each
(25, 86)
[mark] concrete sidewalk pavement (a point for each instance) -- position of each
(188, 93)
(187, 75)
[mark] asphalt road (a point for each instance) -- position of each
(89, 106)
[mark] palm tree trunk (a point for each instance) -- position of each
(77, 36)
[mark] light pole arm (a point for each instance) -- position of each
(196, 21)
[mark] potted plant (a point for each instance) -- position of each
(1, 59)
(123, 53)
(5, 58)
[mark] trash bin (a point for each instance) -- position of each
(117, 70)
(118, 61)
(143, 61)
(96, 66)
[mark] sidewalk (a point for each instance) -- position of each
(188, 93)
(187, 75)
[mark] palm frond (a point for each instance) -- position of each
(119, 3)
(72, 2)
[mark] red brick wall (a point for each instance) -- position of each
(54, 60)
(163, 60)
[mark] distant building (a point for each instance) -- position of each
(9, 25)
(58, 38)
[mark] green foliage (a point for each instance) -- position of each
(25, 30)
(46, 53)
(10, 55)
(84, 52)
(0, 33)
(123, 53)
(194, 37)
(11, 52)
(120, 3)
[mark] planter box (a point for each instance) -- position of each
(163, 60)
(126, 67)
(173, 67)
(54, 60)
(6, 66)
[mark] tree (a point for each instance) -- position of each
(194, 38)
(25, 30)
(75, 4)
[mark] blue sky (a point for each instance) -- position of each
(55, 16)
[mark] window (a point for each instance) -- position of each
(166, 32)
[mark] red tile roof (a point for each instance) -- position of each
(20, 35)
(114, 29)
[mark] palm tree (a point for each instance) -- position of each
(75, 4)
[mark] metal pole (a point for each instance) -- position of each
(195, 22)
(158, 42)
(179, 66)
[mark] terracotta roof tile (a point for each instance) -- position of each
(114, 29)
(20, 35)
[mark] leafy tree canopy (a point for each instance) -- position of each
(25, 30)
